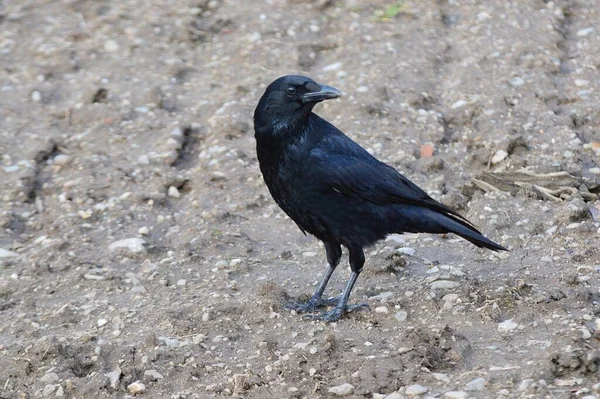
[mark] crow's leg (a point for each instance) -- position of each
(334, 254)
(357, 260)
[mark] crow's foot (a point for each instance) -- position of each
(311, 305)
(336, 313)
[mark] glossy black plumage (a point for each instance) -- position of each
(333, 188)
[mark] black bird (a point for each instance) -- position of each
(335, 190)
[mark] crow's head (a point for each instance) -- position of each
(288, 100)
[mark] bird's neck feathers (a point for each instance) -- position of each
(271, 125)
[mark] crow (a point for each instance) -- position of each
(332, 188)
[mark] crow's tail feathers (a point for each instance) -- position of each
(462, 228)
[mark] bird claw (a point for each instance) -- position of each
(311, 305)
(336, 313)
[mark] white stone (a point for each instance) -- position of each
(136, 387)
(507, 325)
(134, 245)
(344, 389)
(144, 231)
(401, 315)
(36, 96)
(153, 375)
(499, 156)
(406, 251)
(48, 390)
(111, 46)
(478, 384)
(49, 377)
(442, 377)
(173, 192)
(114, 377)
(584, 32)
(517, 81)
(443, 285)
(332, 67)
(382, 309)
(394, 395)
(455, 395)
(101, 322)
(414, 390)
(5, 254)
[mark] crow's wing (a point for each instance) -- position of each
(350, 170)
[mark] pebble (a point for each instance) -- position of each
(589, 397)
(382, 296)
(114, 377)
(181, 282)
(50, 377)
(584, 32)
(401, 315)
(309, 254)
(478, 384)
(517, 81)
(48, 390)
(173, 192)
(382, 309)
(5, 254)
(136, 387)
(414, 390)
(153, 375)
(525, 384)
(443, 285)
(406, 251)
(499, 156)
(101, 322)
(332, 67)
(36, 96)
(595, 171)
(111, 46)
(394, 395)
(342, 390)
(62, 159)
(507, 325)
(455, 395)
(134, 245)
(144, 231)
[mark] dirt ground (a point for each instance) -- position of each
(132, 120)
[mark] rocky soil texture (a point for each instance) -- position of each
(141, 254)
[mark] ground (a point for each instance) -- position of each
(132, 120)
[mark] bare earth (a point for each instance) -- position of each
(132, 120)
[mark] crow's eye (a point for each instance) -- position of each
(290, 91)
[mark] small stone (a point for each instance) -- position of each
(584, 32)
(443, 285)
(414, 390)
(5, 254)
(499, 156)
(455, 395)
(401, 315)
(111, 46)
(507, 325)
(342, 390)
(525, 385)
(136, 388)
(382, 296)
(36, 96)
(170, 342)
(101, 322)
(114, 377)
(309, 254)
(144, 231)
(62, 159)
(332, 67)
(426, 151)
(181, 282)
(60, 392)
(394, 395)
(153, 375)
(517, 81)
(406, 251)
(594, 171)
(144, 159)
(173, 192)
(49, 377)
(478, 384)
(133, 245)
(48, 390)
(589, 397)
(382, 309)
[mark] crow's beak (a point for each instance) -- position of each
(326, 93)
